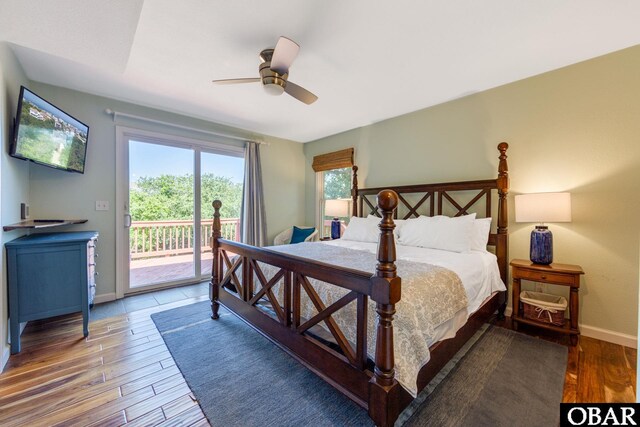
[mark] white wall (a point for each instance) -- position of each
(14, 174)
(59, 194)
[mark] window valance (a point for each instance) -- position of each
(334, 160)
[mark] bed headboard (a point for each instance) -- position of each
(452, 199)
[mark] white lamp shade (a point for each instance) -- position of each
(336, 208)
(543, 207)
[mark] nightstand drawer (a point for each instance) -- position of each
(542, 276)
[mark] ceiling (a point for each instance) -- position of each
(366, 60)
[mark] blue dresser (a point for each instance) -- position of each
(49, 275)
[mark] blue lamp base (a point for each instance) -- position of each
(335, 228)
(541, 248)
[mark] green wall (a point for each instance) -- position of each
(58, 194)
(575, 129)
(14, 174)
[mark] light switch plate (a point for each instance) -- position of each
(102, 205)
(24, 211)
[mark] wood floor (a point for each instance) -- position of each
(124, 374)
(121, 374)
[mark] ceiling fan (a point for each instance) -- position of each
(274, 71)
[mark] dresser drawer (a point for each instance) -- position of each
(543, 276)
(91, 269)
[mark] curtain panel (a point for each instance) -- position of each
(252, 218)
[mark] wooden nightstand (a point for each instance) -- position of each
(555, 274)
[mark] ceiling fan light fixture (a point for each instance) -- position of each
(273, 89)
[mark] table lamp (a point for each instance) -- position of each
(541, 208)
(337, 208)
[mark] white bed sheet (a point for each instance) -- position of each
(478, 271)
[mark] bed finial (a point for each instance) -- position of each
(502, 243)
(386, 293)
(217, 204)
(503, 189)
(354, 190)
(387, 204)
(216, 233)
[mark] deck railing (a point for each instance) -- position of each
(149, 239)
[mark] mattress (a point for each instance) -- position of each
(478, 270)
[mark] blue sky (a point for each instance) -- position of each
(154, 160)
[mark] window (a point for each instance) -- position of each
(333, 183)
(336, 186)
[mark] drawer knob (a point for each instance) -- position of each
(544, 277)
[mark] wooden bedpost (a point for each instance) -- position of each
(214, 286)
(354, 190)
(384, 405)
(502, 244)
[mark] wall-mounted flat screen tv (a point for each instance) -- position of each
(47, 135)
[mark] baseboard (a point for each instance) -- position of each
(5, 357)
(99, 299)
(609, 336)
(601, 334)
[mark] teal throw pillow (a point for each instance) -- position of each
(300, 234)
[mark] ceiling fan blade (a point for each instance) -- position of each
(236, 81)
(284, 53)
(300, 93)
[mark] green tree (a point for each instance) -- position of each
(337, 183)
(170, 197)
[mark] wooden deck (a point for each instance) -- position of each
(166, 269)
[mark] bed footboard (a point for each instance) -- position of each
(343, 364)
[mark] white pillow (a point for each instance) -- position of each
(362, 230)
(439, 232)
(398, 222)
(480, 234)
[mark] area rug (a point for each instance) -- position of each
(500, 378)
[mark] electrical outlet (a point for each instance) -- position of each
(102, 205)
(539, 287)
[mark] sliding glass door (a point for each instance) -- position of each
(222, 178)
(168, 189)
(161, 206)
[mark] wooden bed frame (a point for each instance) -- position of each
(345, 365)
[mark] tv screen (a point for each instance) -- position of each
(47, 135)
